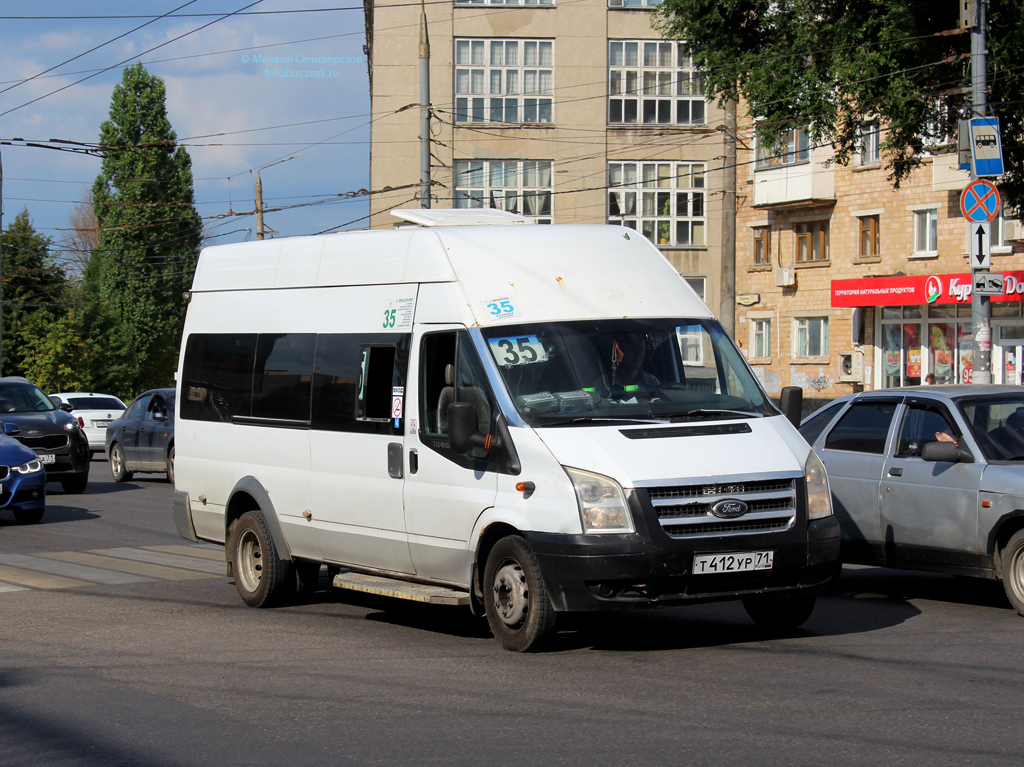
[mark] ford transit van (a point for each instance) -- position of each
(472, 409)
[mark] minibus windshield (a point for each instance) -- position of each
(652, 369)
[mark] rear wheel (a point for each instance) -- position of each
(262, 577)
(170, 465)
(27, 517)
(118, 469)
(75, 485)
(780, 613)
(516, 601)
(1013, 571)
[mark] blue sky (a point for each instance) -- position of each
(217, 82)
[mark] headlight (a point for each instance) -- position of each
(602, 503)
(71, 426)
(28, 468)
(819, 497)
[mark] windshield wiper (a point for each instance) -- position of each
(591, 419)
(711, 412)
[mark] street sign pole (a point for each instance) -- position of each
(981, 307)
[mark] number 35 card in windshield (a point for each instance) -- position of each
(522, 350)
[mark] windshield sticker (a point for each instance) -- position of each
(398, 313)
(523, 350)
(500, 308)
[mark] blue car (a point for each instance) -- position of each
(22, 479)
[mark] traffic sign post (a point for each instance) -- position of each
(980, 236)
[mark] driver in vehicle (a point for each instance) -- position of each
(628, 353)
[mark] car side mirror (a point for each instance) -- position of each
(66, 407)
(462, 432)
(947, 452)
(10, 429)
(158, 416)
(791, 403)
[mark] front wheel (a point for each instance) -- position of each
(118, 469)
(516, 601)
(780, 613)
(170, 465)
(74, 485)
(1013, 571)
(262, 577)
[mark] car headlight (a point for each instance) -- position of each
(819, 497)
(71, 426)
(28, 468)
(602, 503)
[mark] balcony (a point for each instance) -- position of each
(809, 183)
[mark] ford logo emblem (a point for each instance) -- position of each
(729, 509)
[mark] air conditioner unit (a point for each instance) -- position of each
(1013, 230)
(785, 278)
(851, 367)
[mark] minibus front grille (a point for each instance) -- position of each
(687, 511)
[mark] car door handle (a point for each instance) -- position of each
(414, 462)
(895, 471)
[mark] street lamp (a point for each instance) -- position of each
(259, 193)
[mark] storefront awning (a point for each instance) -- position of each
(918, 290)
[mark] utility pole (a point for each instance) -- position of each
(981, 306)
(259, 193)
(1, 267)
(727, 305)
(424, 111)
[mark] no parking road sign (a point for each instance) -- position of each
(980, 201)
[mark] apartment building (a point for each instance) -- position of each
(567, 111)
(844, 283)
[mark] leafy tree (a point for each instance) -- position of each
(149, 235)
(833, 66)
(57, 356)
(33, 287)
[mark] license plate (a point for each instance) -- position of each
(47, 458)
(100, 424)
(733, 562)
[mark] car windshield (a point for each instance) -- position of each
(660, 369)
(997, 424)
(95, 403)
(23, 398)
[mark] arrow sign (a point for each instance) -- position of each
(979, 235)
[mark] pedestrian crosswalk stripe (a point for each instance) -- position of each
(161, 558)
(9, 587)
(71, 570)
(217, 555)
(127, 566)
(38, 580)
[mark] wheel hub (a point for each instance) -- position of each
(250, 560)
(511, 594)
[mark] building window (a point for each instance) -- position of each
(633, 3)
(653, 83)
(504, 2)
(868, 240)
(518, 186)
(761, 338)
(504, 81)
(698, 285)
(812, 337)
(792, 147)
(870, 137)
(663, 200)
(811, 242)
(926, 232)
(762, 246)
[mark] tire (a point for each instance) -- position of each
(516, 601)
(262, 578)
(75, 485)
(1013, 571)
(780, 613)
(170, 465)
(118, 468)
(28, 517)
(307, 578)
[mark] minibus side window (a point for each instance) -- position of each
(373, 402)
(216, 378)
(283, 376)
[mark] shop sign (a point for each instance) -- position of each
(919, 289)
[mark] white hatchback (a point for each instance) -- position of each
(94, 413)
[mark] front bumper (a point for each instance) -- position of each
(68, 461)
(651, 568)
(24, 491)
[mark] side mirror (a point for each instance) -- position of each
(66, 407)
(946, 452)
(792, 403)
(10, 429)
(159, 415)
(462, 432)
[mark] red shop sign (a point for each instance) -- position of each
(917, 290)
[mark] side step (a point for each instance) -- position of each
(391, 587)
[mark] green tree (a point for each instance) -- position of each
(57, 356)
(149, 237)
(833, 66)
(34, 286)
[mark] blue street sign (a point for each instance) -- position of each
(986, 146)
(980, 202)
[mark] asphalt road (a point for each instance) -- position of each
(159, 663)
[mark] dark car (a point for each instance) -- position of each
(53, 434)
(142, 439)
(22, 480)
(929, 478)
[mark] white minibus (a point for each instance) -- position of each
(474, 409)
